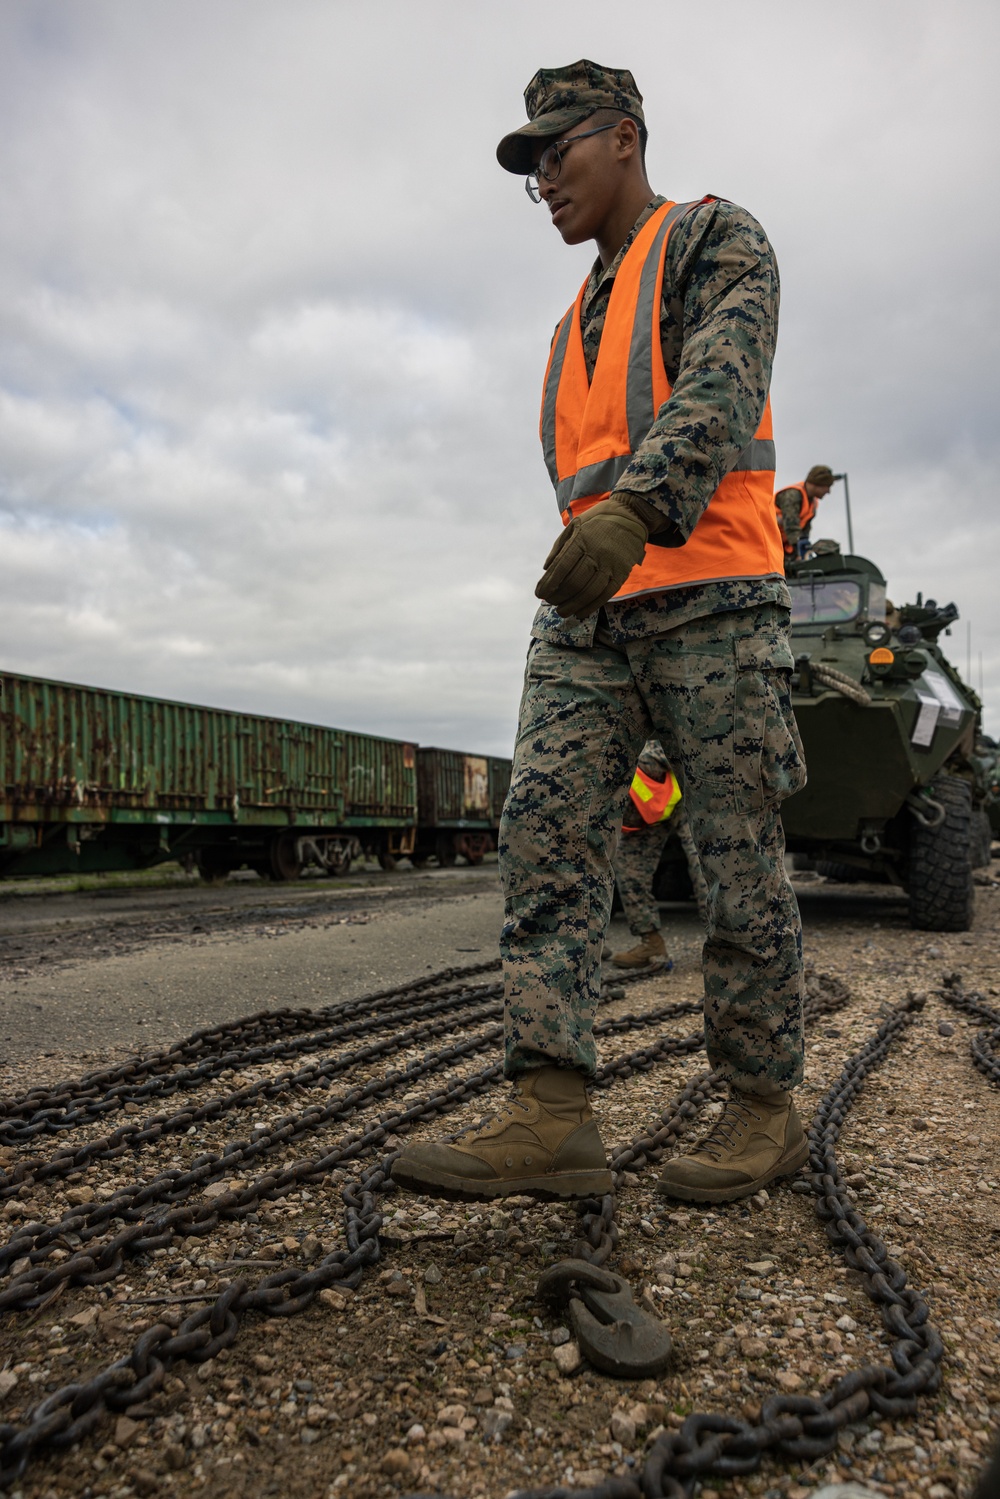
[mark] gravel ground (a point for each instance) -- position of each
(441, 1373)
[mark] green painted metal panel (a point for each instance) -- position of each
(454, 789)
(500, 770)
(73, 754)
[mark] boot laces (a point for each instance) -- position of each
(736, 1116)
(503, 1115)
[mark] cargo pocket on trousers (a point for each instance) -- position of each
(767, 752)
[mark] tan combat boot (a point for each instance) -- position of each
(756, 1140)
(544, 1143)
(650, 949)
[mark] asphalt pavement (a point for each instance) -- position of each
(298, 948)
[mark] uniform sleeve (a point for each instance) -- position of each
(789, 503)
(719, 324)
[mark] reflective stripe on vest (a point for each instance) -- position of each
(655, 800)
(807, 509)
(590, 429)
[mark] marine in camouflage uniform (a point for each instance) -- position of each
(703, 668)
(788, 502)
(635, 865)
(640, 848)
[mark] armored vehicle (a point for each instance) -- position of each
(903, 786)
(900, 778)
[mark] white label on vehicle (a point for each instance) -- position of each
(951, 704)
(923, 729)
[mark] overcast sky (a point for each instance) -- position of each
(274, 324)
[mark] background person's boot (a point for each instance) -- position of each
(543, 1143)
(650, 949)
(755, 1141)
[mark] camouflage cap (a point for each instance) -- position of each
(557, 98)
(820, 474)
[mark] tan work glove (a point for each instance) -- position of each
(595, 554)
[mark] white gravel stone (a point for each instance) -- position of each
(495, 1422)
(622, 1428)
(567, 1357)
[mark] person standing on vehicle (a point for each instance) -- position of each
(665, 615)
(654, 799)
(796, 507)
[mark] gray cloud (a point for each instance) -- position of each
(274, 322)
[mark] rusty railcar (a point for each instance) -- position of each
(460, 798)
(95, 780)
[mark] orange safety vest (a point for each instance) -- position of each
(654, 800)
(590, 430)
(807, 510)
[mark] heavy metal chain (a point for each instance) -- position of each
(82, 1224)
(985, 1045)
(65, 1416)
(599, 1234)
(134, 1135)
(704, 1444)
(806, 1427)
(71, 1104)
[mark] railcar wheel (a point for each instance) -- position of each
(386, 860)
(940, 874)
(284, 856)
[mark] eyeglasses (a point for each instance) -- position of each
(550, 162)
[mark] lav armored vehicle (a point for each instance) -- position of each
(902, 784)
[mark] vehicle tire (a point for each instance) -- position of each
(843, 874)
(981, 839)
(940, 867)
(284, 857)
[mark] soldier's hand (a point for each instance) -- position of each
(593, 556)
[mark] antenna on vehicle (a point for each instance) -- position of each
(847, 501)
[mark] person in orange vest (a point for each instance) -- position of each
(653, 797)
(664, 614)
(796, 506)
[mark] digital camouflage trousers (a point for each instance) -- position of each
(716, 693)
(635, 863)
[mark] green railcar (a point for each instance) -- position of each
(100, 780)
(460, 797)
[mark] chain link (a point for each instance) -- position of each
(985, 1045)
(154, 1213)
(154, 1219)
(806, 1427)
